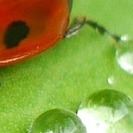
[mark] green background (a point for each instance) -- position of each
(70, 71)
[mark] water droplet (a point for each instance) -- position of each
(57, 121)
(125, 38)
(107, 111)
(124, 57)
(126, 62)
(111, 80)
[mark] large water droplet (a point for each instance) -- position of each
(57, 121)
(124, 57)
(107, 111)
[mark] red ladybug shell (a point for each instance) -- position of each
(43, 23)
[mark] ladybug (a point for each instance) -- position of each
(30, 27)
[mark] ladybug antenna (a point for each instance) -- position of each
(79, 22)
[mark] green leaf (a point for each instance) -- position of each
(69, 72)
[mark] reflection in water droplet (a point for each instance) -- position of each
(107, 111)
(124, 57)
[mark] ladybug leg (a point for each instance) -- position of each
(78, 23)
(75, 27)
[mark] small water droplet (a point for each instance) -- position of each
(111, 80)
(125, 38)
(124, 57)
(107, 111)
(126, 62)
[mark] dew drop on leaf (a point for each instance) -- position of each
(111, 80)
(107, 111)
(124, 57)
(57, 121)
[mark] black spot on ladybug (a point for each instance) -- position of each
(15, 33)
